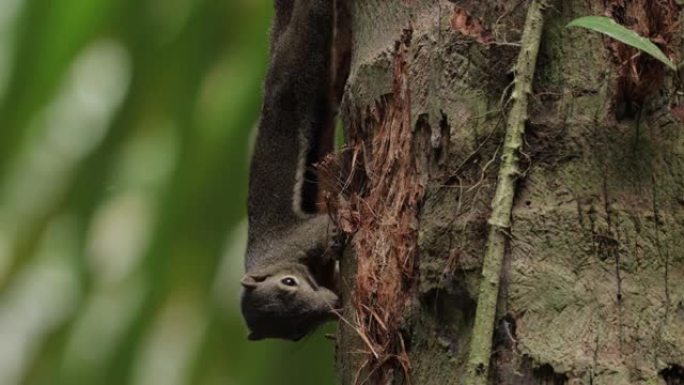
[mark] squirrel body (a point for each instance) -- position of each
(289, 285)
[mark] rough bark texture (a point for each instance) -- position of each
(593, 282)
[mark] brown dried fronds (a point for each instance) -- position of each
(463, 22)
(658, 20)
(383, 215)
(337, 179)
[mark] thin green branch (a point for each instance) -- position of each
(500, 220)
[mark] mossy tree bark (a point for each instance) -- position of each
(592, 288)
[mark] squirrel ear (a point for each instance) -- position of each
(250, 281)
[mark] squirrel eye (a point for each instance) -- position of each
(289, 281)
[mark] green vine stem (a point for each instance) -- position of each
(500, 220)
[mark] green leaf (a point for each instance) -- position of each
(608, 26)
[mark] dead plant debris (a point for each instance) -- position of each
(382, 214)
(640, 74)
(463, 22)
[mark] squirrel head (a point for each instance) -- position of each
(286, 304)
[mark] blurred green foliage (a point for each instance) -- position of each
(125, 130)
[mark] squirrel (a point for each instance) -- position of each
(290, 283)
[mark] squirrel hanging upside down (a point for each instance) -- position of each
(289, 285)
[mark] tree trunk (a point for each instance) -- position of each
(592, 282)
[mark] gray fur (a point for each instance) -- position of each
(284, 242)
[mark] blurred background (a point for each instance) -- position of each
(124, 144)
